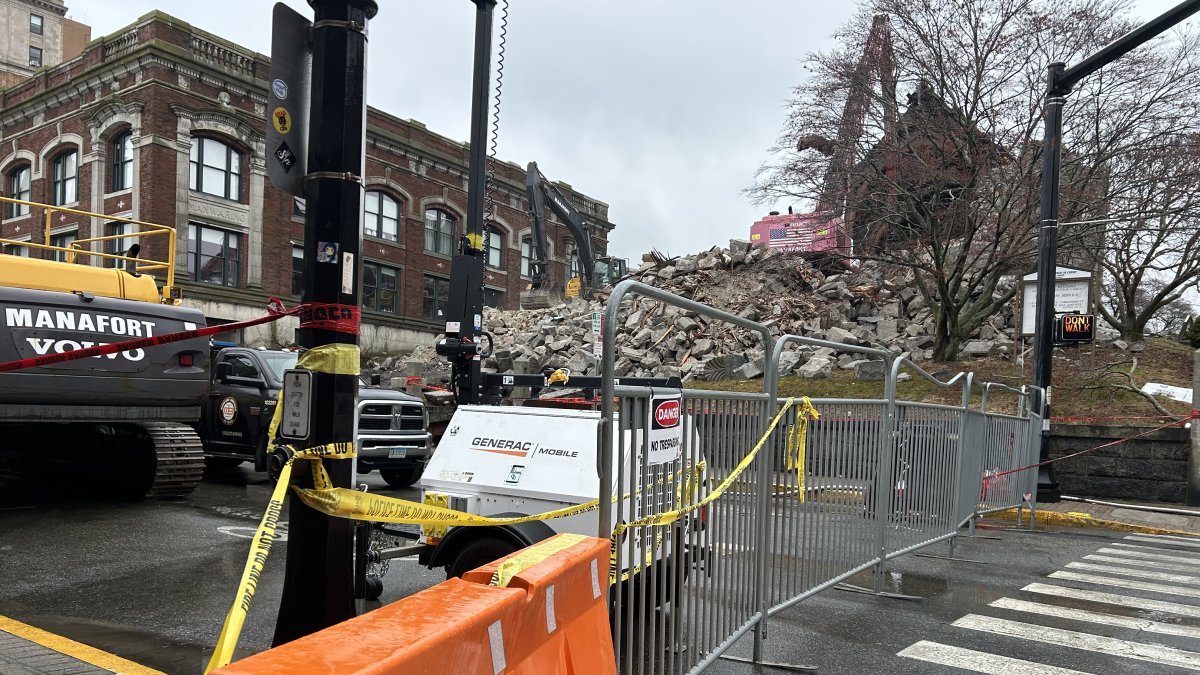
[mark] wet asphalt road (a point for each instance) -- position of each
(151, 581)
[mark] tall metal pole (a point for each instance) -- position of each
(1192, 495)
(318, 587)
(464, 306)
(1043, 339)
(1059, 82)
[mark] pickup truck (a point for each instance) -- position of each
(391, 429)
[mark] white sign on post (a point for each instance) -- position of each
(1072, 295)
(665, 438)
(296, 401)
(598, 335)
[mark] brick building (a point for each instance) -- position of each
(163, 122)
(36, 34)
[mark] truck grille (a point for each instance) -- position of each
(391, 417)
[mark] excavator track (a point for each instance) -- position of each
(178, 459)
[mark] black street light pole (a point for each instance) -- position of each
(318, 583)
(1059, 82)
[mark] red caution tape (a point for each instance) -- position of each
(340, 318)
(326, 316)
(1111, 419)
(1195, 414)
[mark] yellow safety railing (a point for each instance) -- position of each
(81, 247)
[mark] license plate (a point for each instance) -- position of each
(397, 453)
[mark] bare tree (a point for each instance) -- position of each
(947, 183)
(1151, 254)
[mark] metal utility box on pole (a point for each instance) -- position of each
(318, 584)
(1059, 82)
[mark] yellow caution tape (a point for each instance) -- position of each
(668, 517)
(532, 556)
(260, 549)
(334, 359)
(797, 442)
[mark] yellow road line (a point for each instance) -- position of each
(1086, 520)
(78, 650)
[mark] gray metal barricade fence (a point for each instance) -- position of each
(873, 479)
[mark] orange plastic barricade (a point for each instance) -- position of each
(541, 610)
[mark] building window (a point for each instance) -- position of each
(18, 188)
(16, 249)
(35, 56)
(383, 216)
(437, 295)
(379, 287)
(121, 167)
(35, 24)
(216, 169)
(494, 246)
(214, 255)
(574, 266)
(493, 297)
(526, 255)
(299, 206)
(127, 232)
(65, 186)
(439, 232)
(297, 270)
(63, 240)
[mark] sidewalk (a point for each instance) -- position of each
(1117, 514)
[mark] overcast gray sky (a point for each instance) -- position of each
(662, 108)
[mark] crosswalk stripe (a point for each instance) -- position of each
(979, 662)
(1174, 541)
(1126, 583)
(1093, 643)
(1129, 552)
(1169, 537)
(1097, 617)
(1115, 599)
(1194, 555)
(1141, 574)
(1136, 562)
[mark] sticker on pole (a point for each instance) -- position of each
(665, 439)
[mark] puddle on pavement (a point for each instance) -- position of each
(142, 648)
(905, 583)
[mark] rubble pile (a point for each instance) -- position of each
(785, 292)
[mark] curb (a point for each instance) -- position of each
(1078, 519)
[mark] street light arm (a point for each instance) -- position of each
(1067, 80)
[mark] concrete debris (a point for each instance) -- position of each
(871, 307)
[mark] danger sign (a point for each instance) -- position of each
(666, 414)
(665, 432)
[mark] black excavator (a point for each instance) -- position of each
(598, 272)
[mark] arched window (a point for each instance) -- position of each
(493, 246)
(120, 152)
(382, 216)
(216, 168)
(439, 231)
(64, 187)
(18, 188)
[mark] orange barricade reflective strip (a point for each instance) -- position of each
(551, 618)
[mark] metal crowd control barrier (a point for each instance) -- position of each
(875, 479)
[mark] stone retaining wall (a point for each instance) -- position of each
(1150, 468)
